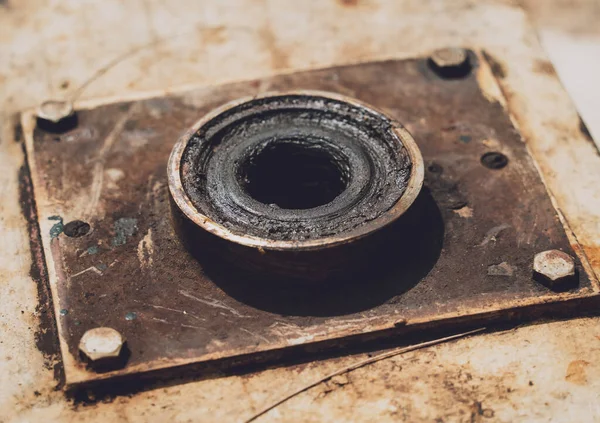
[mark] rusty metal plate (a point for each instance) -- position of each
(463, 252)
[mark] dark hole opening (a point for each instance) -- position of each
(293, 175)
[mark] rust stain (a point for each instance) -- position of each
(279, 57)
(496, 66)
(575, 17)
(46, 335)
(576, 372)
(359, 49)
(348, 3)
(214, 35)
(593, 255)
(584, 130)
(544, 67)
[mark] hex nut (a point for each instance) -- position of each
(555, 269)
(55, 110)
(450, 63)
(101, 344)
(56, 116)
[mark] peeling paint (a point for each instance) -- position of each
(502, 269)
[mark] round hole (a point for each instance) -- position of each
(76, 229)
(494, 160)
(435, 168)
(292, 175)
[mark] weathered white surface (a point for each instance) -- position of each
(570, 33)
(171, 44)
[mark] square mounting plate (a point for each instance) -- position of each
(473, 231)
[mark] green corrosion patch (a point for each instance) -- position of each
(93, 250)
(101, 267)
(57, 228)
(124, 227)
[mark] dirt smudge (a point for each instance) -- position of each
(584, 130)
(46, 335)
(214, 35)
(576, 372)
(497, 67)
(279, 57)
(544, 67)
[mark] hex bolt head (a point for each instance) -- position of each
(56, 116)
(554, 269)
(102, 346)
(55, 110)
(450, 63)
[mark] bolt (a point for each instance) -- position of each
(554, 269)
(102, 346)
(450, 63)
(56, 116)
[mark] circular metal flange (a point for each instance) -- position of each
(282, 178)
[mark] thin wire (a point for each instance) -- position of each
(361, 364)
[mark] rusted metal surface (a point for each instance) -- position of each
(464, 249)
(554, 268)
(450, 62)
(101, 344)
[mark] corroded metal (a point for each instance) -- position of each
(462, 253)
(54, 110)
(452, 62)
(101, 345)
(555, 269)
(56, 116)
(285, 177)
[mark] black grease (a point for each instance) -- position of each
(368, 168)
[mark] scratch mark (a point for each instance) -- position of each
(358, 365)
(112, 137)
(89, 269)
(283, 329)
(135, 50)
(145, 250)
(359, 320)
(156, 319)
(192, 326)
(213, 303)
(98, 269)
(98, 172)
(493, 233)
(262, 338)
(171, 309)
(94, 249)
(95, 189)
